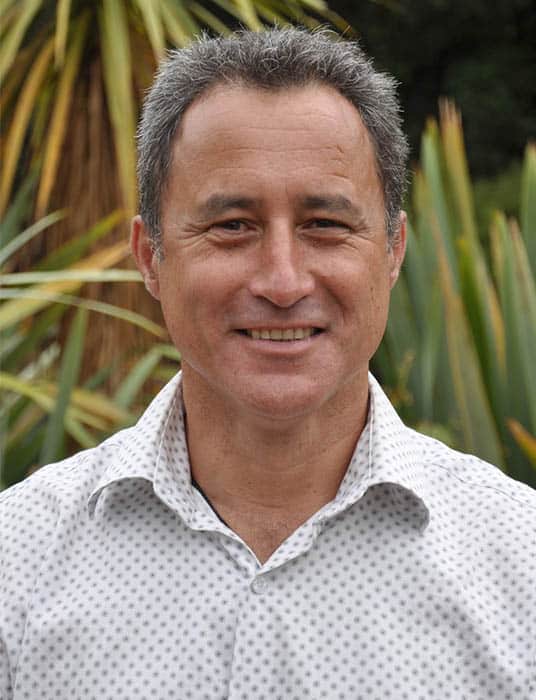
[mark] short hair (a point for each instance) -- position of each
(274, 59)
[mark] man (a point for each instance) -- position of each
(269, 529)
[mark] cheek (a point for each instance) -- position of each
(364, 293)
(361, 283)
(192, 296)
(379, 295)
(175, 299)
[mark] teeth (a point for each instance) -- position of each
(280, 334)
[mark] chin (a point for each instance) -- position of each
(284, 400)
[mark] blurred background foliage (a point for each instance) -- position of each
(78, 363)
(458, 357)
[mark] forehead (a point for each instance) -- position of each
(225, 114)
(273, 145)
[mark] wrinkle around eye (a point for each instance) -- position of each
(337, 232)
(232, 232)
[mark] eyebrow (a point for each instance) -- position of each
(331, 203)
(217, 204)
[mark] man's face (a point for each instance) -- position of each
(276, 269)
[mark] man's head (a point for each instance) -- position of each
(274, 266)
(278, 59)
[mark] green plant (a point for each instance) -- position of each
(460, 346)
(46, 412)
(74, 74)
(500, 192)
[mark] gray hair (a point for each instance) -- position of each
(274, 59)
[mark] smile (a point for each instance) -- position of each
(280, 334)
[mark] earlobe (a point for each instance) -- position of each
(398, 249)
(144, 255)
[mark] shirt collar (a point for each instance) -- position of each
(155, 450)
(396, 453)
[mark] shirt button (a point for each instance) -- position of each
(259, 586)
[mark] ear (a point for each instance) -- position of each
(144, 255)
(397, 249)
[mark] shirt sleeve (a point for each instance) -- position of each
(28, 517)
(6, 690)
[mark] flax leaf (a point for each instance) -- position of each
(150, 12)
(19, 122)
(26, 11)
(91, 305)
(63, 9)
(119, 93)
(16, 310)
(27, 235)
(53, 446)
(60, 115)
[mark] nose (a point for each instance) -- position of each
(281, 273)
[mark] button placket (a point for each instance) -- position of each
(259, 585)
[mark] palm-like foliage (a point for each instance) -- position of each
(74, 74)
(457, 358)
(46, 409)
(464, 322)
(73, 69)
(459, 351)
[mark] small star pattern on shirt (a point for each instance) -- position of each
(119, 582)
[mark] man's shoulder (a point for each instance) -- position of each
(471, 476)
(68, 483)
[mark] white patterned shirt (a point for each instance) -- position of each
(119, 582)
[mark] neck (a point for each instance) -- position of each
(258, 465)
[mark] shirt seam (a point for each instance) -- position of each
(483, 485)
(29, 607)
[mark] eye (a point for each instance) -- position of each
(327, 223)
(235, 225)
(231, 228)
(326, 232)
(231, 232)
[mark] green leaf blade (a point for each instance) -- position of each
(53, 446)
